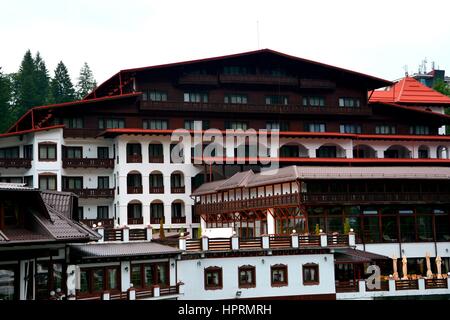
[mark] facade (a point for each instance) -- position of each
(351, 157)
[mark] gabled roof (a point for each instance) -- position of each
(409, 91)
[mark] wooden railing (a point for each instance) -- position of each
(337, 240)
(280, 242)
(88, 163)
(113, 234)
(193, 245)
(156, 159)
(165, 291)
(156, 190)
(371, 197)
(406, 285)
(309, 240)
(196, 218)
(347, 286)
(204, 79)
(219, 244)
(134, 190)
(436, 284)
(106, 223)
(156, 220)
(178, 189)
(92, 193)
(178, 219)
(254, 203)
(250, 243)
(15, 163)
(137, 234)
(136, 220)
(260, 79)
(134, 158)
(250, 108)
(384, 286)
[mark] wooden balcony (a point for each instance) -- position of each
(156, 220)
(337, 240)
(92, 193)
(136, 220)
(198, 79)
(259, 79)
(374, 197)
(156, 190)
(196, 218)
(159, 159)
(436, 284)
(15, 163)
(134, 190)
(178, 189)
(134, 158)
(406, 285)
(246, 204)
(88, 163)
(180, 106)
(112, 234)
(106, 223)
(178, 219)
(347, 286)
(137, 234)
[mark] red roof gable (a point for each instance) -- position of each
(409, 90)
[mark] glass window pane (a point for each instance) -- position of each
(97, 280)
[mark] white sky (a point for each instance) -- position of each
(374, 37)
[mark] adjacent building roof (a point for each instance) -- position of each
(122, 249)
(293, 173)
(356, 256)
(409, 91)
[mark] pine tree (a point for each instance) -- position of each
(86, 82)
(42, 80)
(24, 86)
(5, 98)
(61, 87)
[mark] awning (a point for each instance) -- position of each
(356, 256)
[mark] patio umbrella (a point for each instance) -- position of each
(405, 268)
(394, 265)
(429, 273)
(438, 267)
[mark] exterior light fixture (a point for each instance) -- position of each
(199, 263)
(351, 230)
(238, 294)
(99, 224)
(321, 230)
(94, 226)
(126, 269)
(262, 261)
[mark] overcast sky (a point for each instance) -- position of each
(374, 37)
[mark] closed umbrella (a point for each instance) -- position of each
(405, 268)
(394, 265)
(438, 267)
(429, 273)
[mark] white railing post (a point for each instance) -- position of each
(205, 243)
(421, 283)
(323, 239)
(149, 230)
(391, 285)
(294, 239)
(182, 242)
(156, 291)
(125, 234)
(234, 242)
(71, 282)
(180, 287)
(101, 232)
(448, 281)
(351, 238)
(106, 295)
(362, 286)
(265, 241)
(131, 294)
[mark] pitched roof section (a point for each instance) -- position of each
(293, 173)
(409, 91)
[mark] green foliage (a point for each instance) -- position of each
(347, 226)
(86, 82)
(61, 87)
(42, 80)
(442, 87)
(5, 99)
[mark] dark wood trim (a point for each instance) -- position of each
(280, 267)
(314, 266)
(250, 268)
(213, 269)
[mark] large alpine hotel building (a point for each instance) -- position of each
(360, 167)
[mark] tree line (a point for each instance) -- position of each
(32, 86)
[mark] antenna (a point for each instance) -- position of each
(425, 65)
(405, 67)
(257, 32)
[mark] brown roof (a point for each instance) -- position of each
(356, 256)
(123, 249)
(59, 201)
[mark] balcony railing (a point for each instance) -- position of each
(251, 108)
(178, 219)
(203, 79)
(156, 190)
(254, 203)
(113, 234)
(92, 193)
(107, 223)
(259, 79)
(178, 189)
(347, 286)
(15, 163)
(134, 190)
(406, 285)
(136, 220)
(88, 163)
(134, 158)
(337, 240)
(195, 218)
(436, 284)
(372, 197)
(159, 159)
(156, 220)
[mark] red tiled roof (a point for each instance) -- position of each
(409, 90)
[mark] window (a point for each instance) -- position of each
(47, 152)
(8, 288)
(28, 180)
(47, 182)
(102, 152)
(134, 210)
(177, 210)
(97, 280)
(196, 124)
(424, 130)
(155, 124)
(310, 274)
(155, 153)
(149, 274)
(72, 183)
(275, 99)
(236, 125)
(213, 278)
(102, 212)
(80, 211)
(350, 128)
(157, 210)
(73, 152)
(195, 97)
(110, 123)
(28, 151)
(247, 276)
(236, 98)
(278, 275)
(385, 129)
(154, 95)
(72, 123)
(277, 125)
(313, 101)
(9, 153)
(156, 180)
(103, 183)
(349, 102)
(316, 127)
(235, 70)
